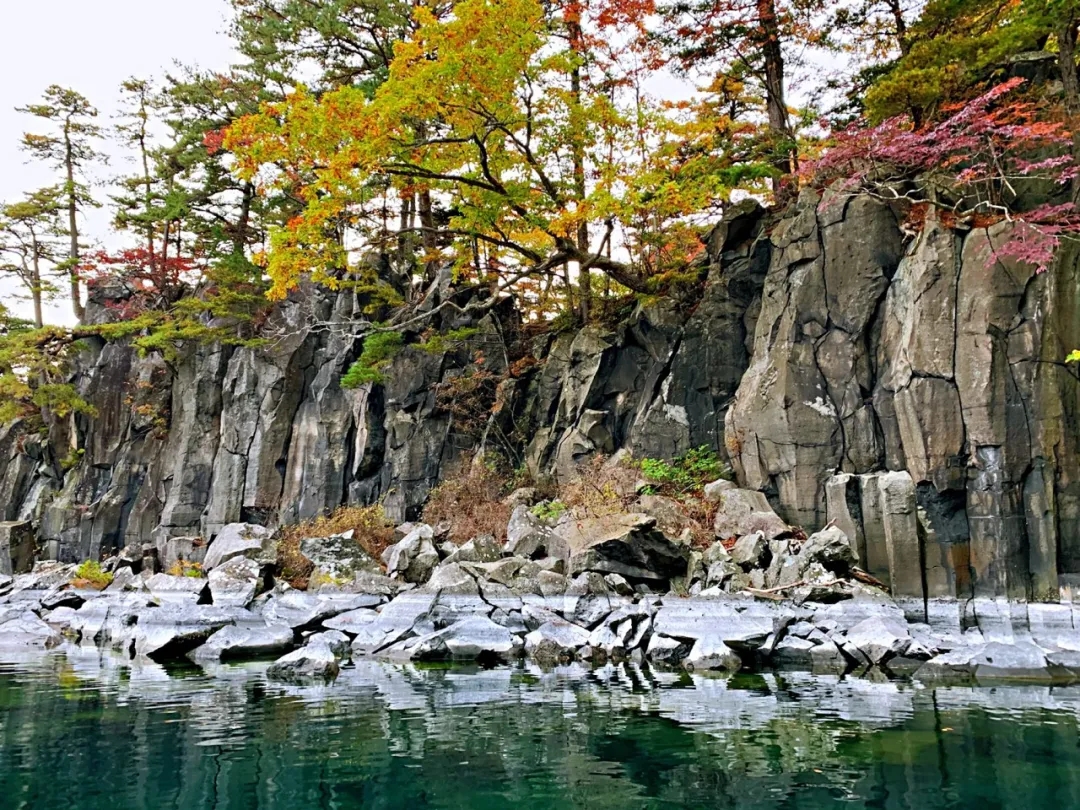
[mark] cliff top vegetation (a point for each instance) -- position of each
(567, 156)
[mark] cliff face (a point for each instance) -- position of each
(908, 387)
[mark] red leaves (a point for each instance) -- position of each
(980, 150)
(152, 282)
(214, 141)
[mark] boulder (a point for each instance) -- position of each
(27, 630)
(667, 650)
(241, 539)
(396, 621)
(173, 550)
(245, 642)
(554, 641)
(171, 631)
(61, 597)
(352, 621)
(337, 559)
(880, 638)
(303, 611)
(45, 575)
(1018, 661)
(339, 643)
(475, 638)
(451, 579)
(313, 662)
(715, 488)
(629, 545)
(751, 551)
(480, 549)
(832, 548)
(236, 582)
(740, 512)
(167, 588)
(414, 557)
(710, 653)
(17, 544)
(527, 536)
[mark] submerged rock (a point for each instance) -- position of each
(313, 662)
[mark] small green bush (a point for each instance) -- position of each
(689, 473)
(90, 574)
(379, 349)
(549, 510)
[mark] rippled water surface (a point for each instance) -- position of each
(80, 731)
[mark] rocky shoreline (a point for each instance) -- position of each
(593, 591)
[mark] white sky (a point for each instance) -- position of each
(91, 46)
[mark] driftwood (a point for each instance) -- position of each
(776, 593)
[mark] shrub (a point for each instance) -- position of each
(379, 350)
(90, 575)
(601, 489)
(689, 473)
(183, 568)
(549, 510)
(371, 530)
(470, 501)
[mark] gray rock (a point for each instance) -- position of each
(714, 488)
(167, 588)
(479, 549)
(830, 547)
(17, 543)
(711, 654)
(339, 643)
(527, 536)
(751, 551)
(247, 641)
(880, 638)
(792, 651)
(590, 610)
(351, 622)
(171, 631)
(475, 638)
(241, 539)
(337, 559)
(740, 512)
(415, 557)
(302, 611)
(27, 630)
(45, 575)
(667, 650)
(236, 582)
(58, 597)
(554, 641)
(628, 545)
(314, 662)
(451, 578)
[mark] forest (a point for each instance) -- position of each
(569, 156)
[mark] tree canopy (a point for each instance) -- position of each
(568, 155)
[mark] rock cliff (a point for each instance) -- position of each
(905, 382)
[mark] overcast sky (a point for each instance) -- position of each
(92, 46)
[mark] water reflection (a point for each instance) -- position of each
(80, 728)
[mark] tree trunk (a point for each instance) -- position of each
(73, 226)
(35, 292)
(1066, 36)
(785, 161)
(574, 33)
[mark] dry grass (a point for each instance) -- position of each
(371, 530)
(601, 489)
(470, 501)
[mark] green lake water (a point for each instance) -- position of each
(80, 731)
